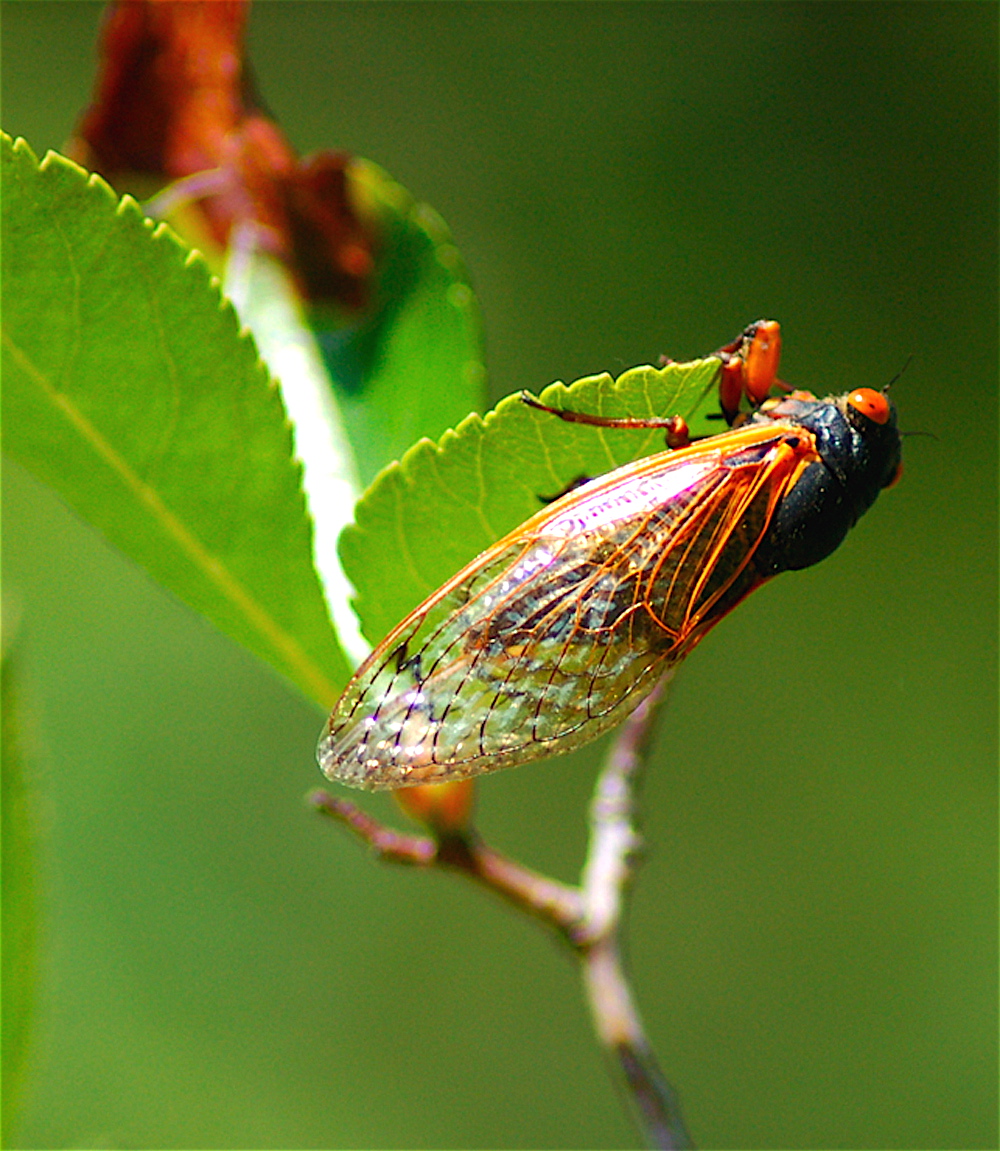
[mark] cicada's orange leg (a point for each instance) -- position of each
(678, 433)
(750, 368)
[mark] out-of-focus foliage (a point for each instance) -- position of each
(175, 103)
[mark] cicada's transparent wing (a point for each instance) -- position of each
(557, 632)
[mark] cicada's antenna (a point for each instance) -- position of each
(908, 361)
(886, 387)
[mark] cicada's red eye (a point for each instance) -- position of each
(762, 359)
(874, 405)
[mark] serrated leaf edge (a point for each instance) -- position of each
(312, 678)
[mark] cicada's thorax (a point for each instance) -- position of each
(858, 456)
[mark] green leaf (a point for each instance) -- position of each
(415, 366)
(130, 390)
(18, 928)
(444, 503)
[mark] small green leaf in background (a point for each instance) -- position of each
(444, 503)
(18, 929)
(129, 389)
(414, 366)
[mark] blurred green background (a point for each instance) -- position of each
(814, 934)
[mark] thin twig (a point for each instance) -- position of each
(588, 917)
(415, 850)
(607, 873)
(654, 1102)
(557, 904)
(614, 840)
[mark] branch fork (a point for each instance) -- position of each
(587, 917)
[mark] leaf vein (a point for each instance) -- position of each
(286, 646)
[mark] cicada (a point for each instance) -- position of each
(555, 633)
